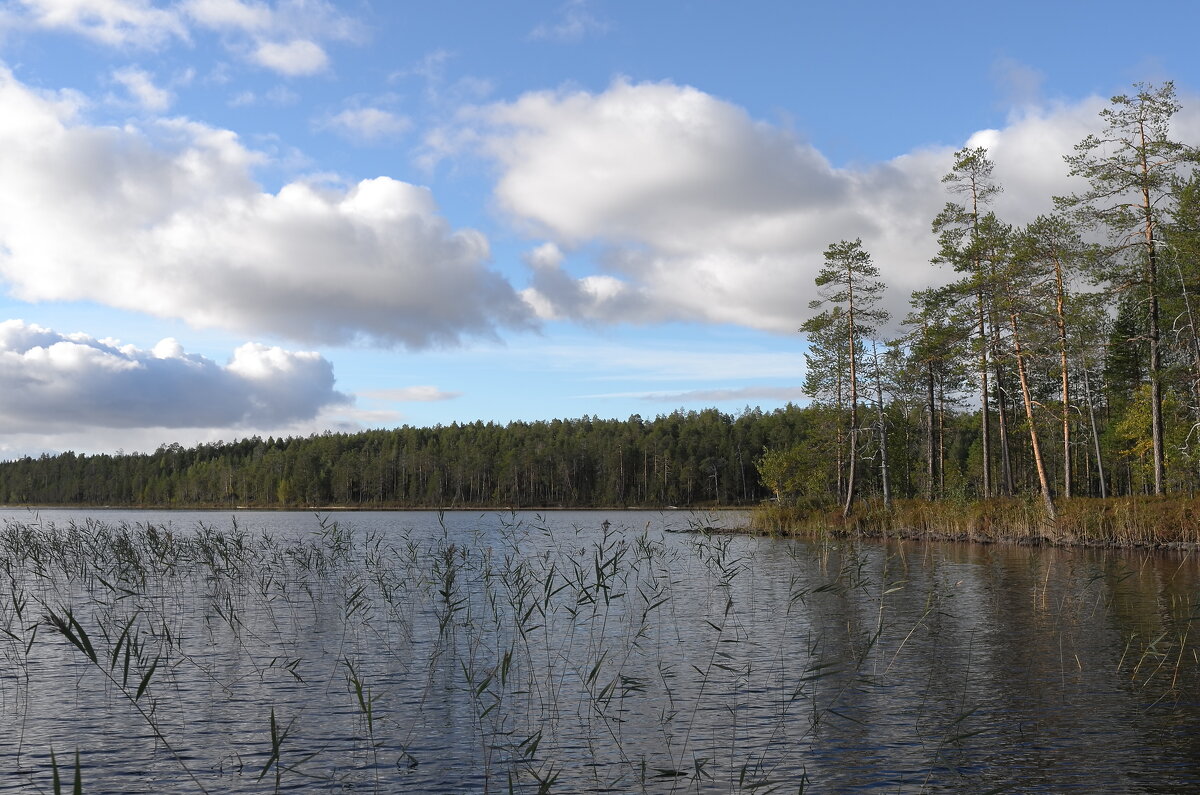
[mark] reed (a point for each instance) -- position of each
(56, 778)
(618, 659)
(1148, 522)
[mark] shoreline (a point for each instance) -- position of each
(382, 509)
(1152, 523)
(1030, 540)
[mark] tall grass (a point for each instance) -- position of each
(1118, 522)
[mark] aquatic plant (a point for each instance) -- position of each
(529, 656)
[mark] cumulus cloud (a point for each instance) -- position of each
(293, 58)
(168, 220)
(117, 23)
(704, 213)
(707, 213)
(555, 295)
(72, 381)
(368, 125)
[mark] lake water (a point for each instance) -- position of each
(581, 652)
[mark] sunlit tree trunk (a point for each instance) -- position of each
(1043, 480)
(1060, 324)
(931, 412)
(881, 419)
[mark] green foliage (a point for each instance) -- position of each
(794, 473)
(684, 458)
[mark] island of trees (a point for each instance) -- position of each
(1051, 388)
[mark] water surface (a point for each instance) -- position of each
(473, 652)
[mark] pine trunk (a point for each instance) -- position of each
(1043, 480)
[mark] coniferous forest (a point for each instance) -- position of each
(1060, 360)
(688, 458)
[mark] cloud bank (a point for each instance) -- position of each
(61, 382)
(701, 212)
(167, 219)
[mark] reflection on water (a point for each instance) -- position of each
(480, 652)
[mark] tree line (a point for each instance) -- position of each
(1062, 360)
(683, 458)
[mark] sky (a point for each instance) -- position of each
(227, 218)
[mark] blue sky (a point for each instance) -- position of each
(221, 218)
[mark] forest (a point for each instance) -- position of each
(692, 458)
(1059, 360)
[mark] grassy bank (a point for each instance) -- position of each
(1122, 522)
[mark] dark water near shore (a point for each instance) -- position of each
(473, 652)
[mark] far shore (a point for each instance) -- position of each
(381, 508)
(1146, 523)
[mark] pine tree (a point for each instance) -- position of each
(1131, 168)
(848, 282)
(957, 227)
(1053, 252)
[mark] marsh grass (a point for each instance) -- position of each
(514, 657)
(1148, 522)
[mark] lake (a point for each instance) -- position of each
(581, 652)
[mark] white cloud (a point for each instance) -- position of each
(554, 294)
(410, 394)
(117, 23)
(710, 396)
(367, 124)
(703, 213)
(574, 21)
(547, 255)
(232, 14)
(140, 85)
(295, 58)
(285, 36)
(168, 220)
(661, 362)
(283, 18)
(60, 382)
